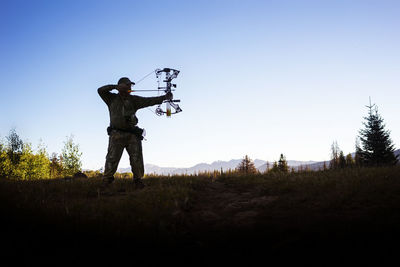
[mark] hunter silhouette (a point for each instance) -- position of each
(123, 130)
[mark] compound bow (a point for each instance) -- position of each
(168, 74)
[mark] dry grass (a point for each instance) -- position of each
(283, 212)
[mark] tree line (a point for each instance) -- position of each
(19, 160)
(373, 148)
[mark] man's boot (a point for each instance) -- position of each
(107, 182)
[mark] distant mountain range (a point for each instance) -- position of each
(261, 165)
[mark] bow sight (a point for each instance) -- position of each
(169, 75)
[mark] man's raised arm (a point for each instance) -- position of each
(104, 92)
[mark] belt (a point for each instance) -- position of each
(136, 131)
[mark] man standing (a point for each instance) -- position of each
(123, 132)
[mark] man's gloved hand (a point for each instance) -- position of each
(169, 96)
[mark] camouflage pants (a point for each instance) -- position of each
(118, 141)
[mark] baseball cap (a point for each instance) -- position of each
(125, 80)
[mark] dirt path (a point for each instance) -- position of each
(220, 205)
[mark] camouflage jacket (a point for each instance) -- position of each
(123, 109)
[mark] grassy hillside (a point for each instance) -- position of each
(352, 213)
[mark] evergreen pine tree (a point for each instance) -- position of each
(246, 166)
(268, 167)
(349, 161)
(377, 147)
(282, 164)
(275, 167)
(324, 166)
(342, 160)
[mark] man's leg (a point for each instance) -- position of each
(115, 149)
(134, 149)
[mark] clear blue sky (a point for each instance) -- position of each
(257, 77)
